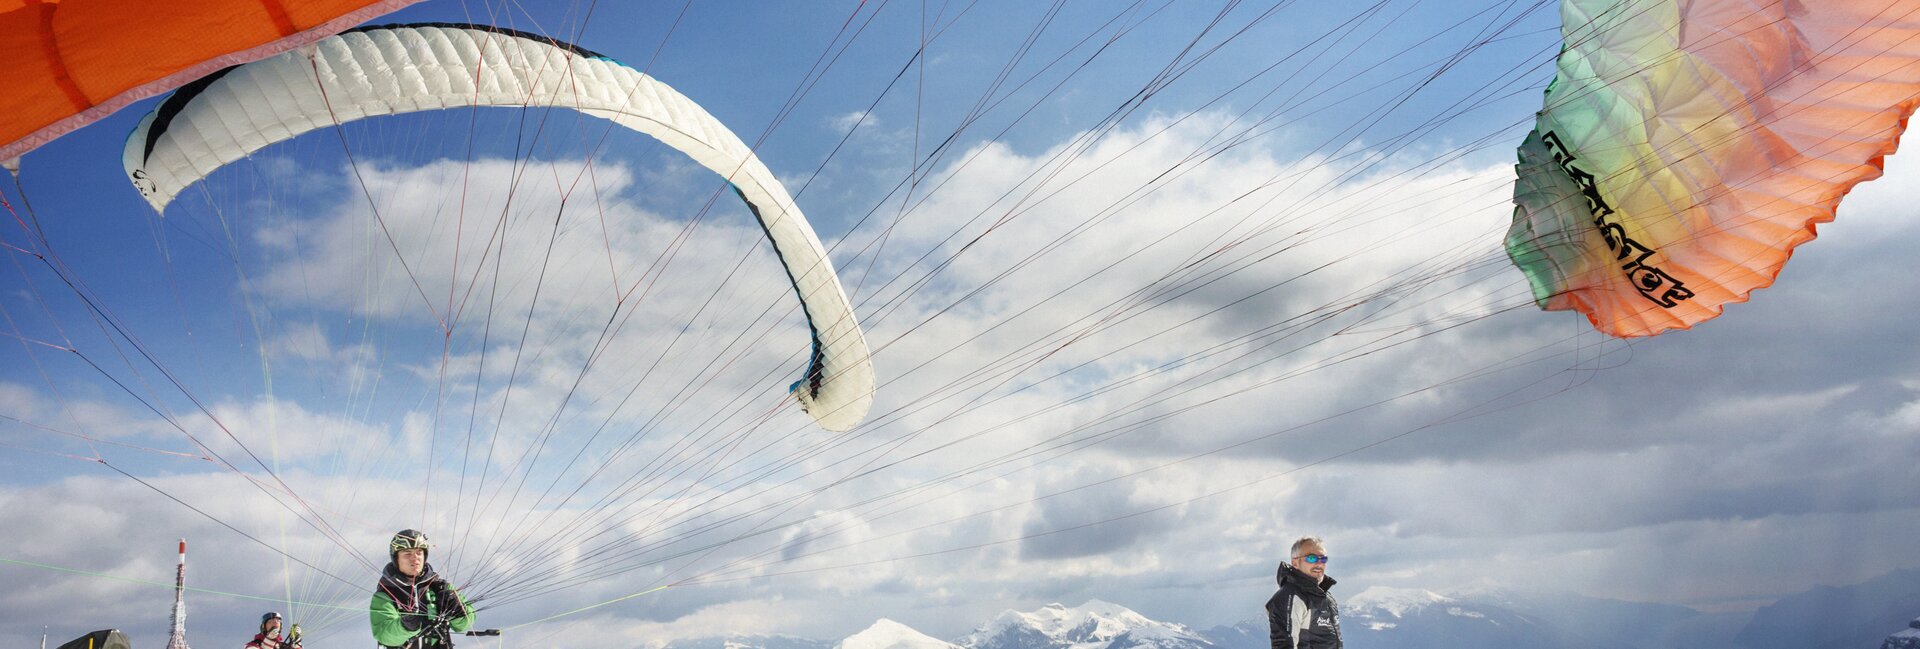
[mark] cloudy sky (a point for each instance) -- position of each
(1153, 290)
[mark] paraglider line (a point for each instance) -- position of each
(167, 585)
(588, 608)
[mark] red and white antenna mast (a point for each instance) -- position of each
(178, 639)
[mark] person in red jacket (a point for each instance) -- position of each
(269, 636)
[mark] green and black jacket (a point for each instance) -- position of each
(403, 607)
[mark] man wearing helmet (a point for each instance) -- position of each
(269, 636)
(413, 608)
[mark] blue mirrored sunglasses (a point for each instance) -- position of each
(1315, 558)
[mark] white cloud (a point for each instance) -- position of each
(304, 341)
(40, 419)
(1714, 456)
(847, 121)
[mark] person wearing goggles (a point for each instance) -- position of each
(1301, 615)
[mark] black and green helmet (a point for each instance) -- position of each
(407, 540)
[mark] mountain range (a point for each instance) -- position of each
(1867, 615)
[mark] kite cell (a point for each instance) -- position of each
(1686, 148)
(378, 71)
(71, 62)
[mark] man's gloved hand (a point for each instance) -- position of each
(446, 600)
(413, 621)
(438, 627)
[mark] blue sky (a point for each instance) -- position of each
(1447, 437)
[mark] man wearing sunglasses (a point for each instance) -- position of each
(1302, 615)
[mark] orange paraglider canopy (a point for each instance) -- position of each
(70, 62)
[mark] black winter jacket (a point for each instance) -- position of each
(1301, 601)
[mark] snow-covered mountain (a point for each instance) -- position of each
(1908, 638)
(1420, 619)
(1614, 623)
(888, 634)
(1251, 634)
(1827, 617)
(1093, 625)
(1398, 618)
(750, 642)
